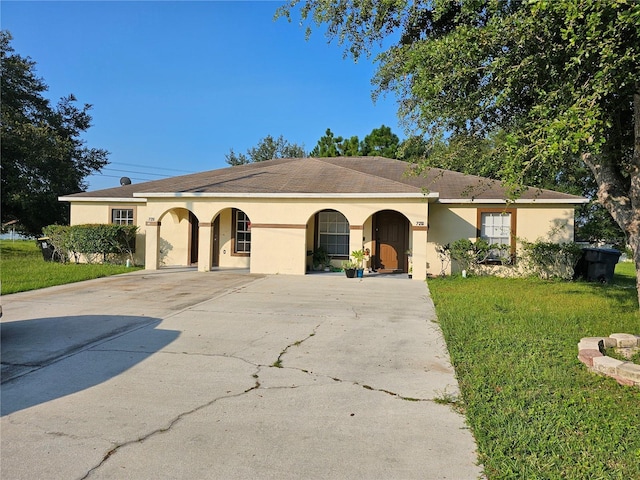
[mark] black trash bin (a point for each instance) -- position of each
(48, 252)
(597, 264)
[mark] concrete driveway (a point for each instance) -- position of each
(183, 374)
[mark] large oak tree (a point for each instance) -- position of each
(43, 156)
(560, 80)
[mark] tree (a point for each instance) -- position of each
(43, 156)
(350, 147)
(328, 146)
(380, 142)
(235, 160)
(561, 79)
(484, 157)
(267, 148)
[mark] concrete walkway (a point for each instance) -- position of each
(221, 375)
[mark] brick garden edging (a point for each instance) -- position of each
(590, 352)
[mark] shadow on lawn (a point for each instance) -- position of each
(48, 358)
(622, 289)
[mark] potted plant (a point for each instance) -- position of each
(349, 268)
(321, 258)
(358, 256)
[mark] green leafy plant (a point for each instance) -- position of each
(550, 260)
(321, 257)
(470, 255)
(349, 265)
(104, 243)
(358, 256)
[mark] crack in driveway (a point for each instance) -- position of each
(171, 424)
(257, 386)
(297, 343)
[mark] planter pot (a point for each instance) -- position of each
(360, 272)
(350, 272)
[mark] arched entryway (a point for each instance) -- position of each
(178, 242)
(390, 242)
(327, 239)
(230, 239)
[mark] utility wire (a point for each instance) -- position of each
(132, 171)
(119, 176)
(150, 166)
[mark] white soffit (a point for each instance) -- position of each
(102, 199)
(570, 201)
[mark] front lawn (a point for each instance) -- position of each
(22, 268)
(536, 411)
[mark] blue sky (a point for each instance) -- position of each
(175, 85)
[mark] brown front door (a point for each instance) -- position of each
(215, 260)
(392, 231)
(193, 239)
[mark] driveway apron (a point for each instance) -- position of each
(218, 375)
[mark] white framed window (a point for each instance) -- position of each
(242, 233)
(122, 216)
(498, 227)
(333, 233)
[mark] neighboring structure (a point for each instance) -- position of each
(270, 216)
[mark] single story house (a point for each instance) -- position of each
(270, 216)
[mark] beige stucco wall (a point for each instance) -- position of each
(227, 257)
(278, 250)
(175, 237)
(281, 221)
(283, 228)
(451, 222)
(100, 212)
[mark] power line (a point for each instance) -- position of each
(119, 176)
(132, 171)
(150, 166)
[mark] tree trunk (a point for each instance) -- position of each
(622, 204)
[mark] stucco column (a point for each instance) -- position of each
(152, 246)
(205, 246)
(419, 252)
(355, 238)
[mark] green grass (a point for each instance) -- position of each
(536, 411)
(22, 268)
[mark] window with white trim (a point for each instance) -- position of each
(242, 235)
(495, 228)
(333, 233)
(122, 216)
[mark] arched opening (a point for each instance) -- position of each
(327, 239)
(231, 239)
(178, 244)
(390, 242)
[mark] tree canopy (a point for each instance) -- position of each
(554, 83)
(380, 142)
(268, 148)
(43, 156)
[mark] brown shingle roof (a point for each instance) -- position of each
(346, 175)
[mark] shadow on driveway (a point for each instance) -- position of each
(29, 345)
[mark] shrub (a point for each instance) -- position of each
(471, 256)
(542, 259)
(106, 243)
(550, 260)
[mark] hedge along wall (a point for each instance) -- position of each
(99, 243)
